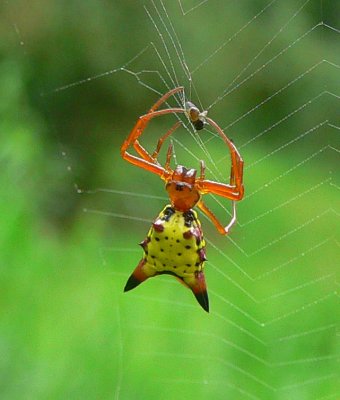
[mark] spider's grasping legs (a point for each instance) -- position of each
(164, 98)
(234, 190)
(153, 158)
(146, 161)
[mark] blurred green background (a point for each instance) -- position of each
(69, 228)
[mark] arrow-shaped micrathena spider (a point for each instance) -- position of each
(174, 244)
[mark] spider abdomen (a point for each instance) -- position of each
(174, 245)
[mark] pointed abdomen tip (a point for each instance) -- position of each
(203, 300)
(131, 283)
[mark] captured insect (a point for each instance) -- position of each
(175, 244)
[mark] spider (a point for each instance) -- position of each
(174, 244)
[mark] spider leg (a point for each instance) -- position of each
(145, 160)
(144, 164)
(202, 166)
(164, 137)
(221, 189)
(224, 230)
(165, 97)
(168, 157)
(235, 189)
(137, 146)
(144, 120)
(229, 191)
(143, 152)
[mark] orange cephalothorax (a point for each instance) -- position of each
(182, 190)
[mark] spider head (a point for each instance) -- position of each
(182, 190)
(196, 117)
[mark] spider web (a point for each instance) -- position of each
(272, 329)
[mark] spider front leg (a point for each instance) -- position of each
(233, 191)
(145, 160)
(236, 175)
(165, 97)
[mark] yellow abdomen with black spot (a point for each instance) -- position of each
(174, 245)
